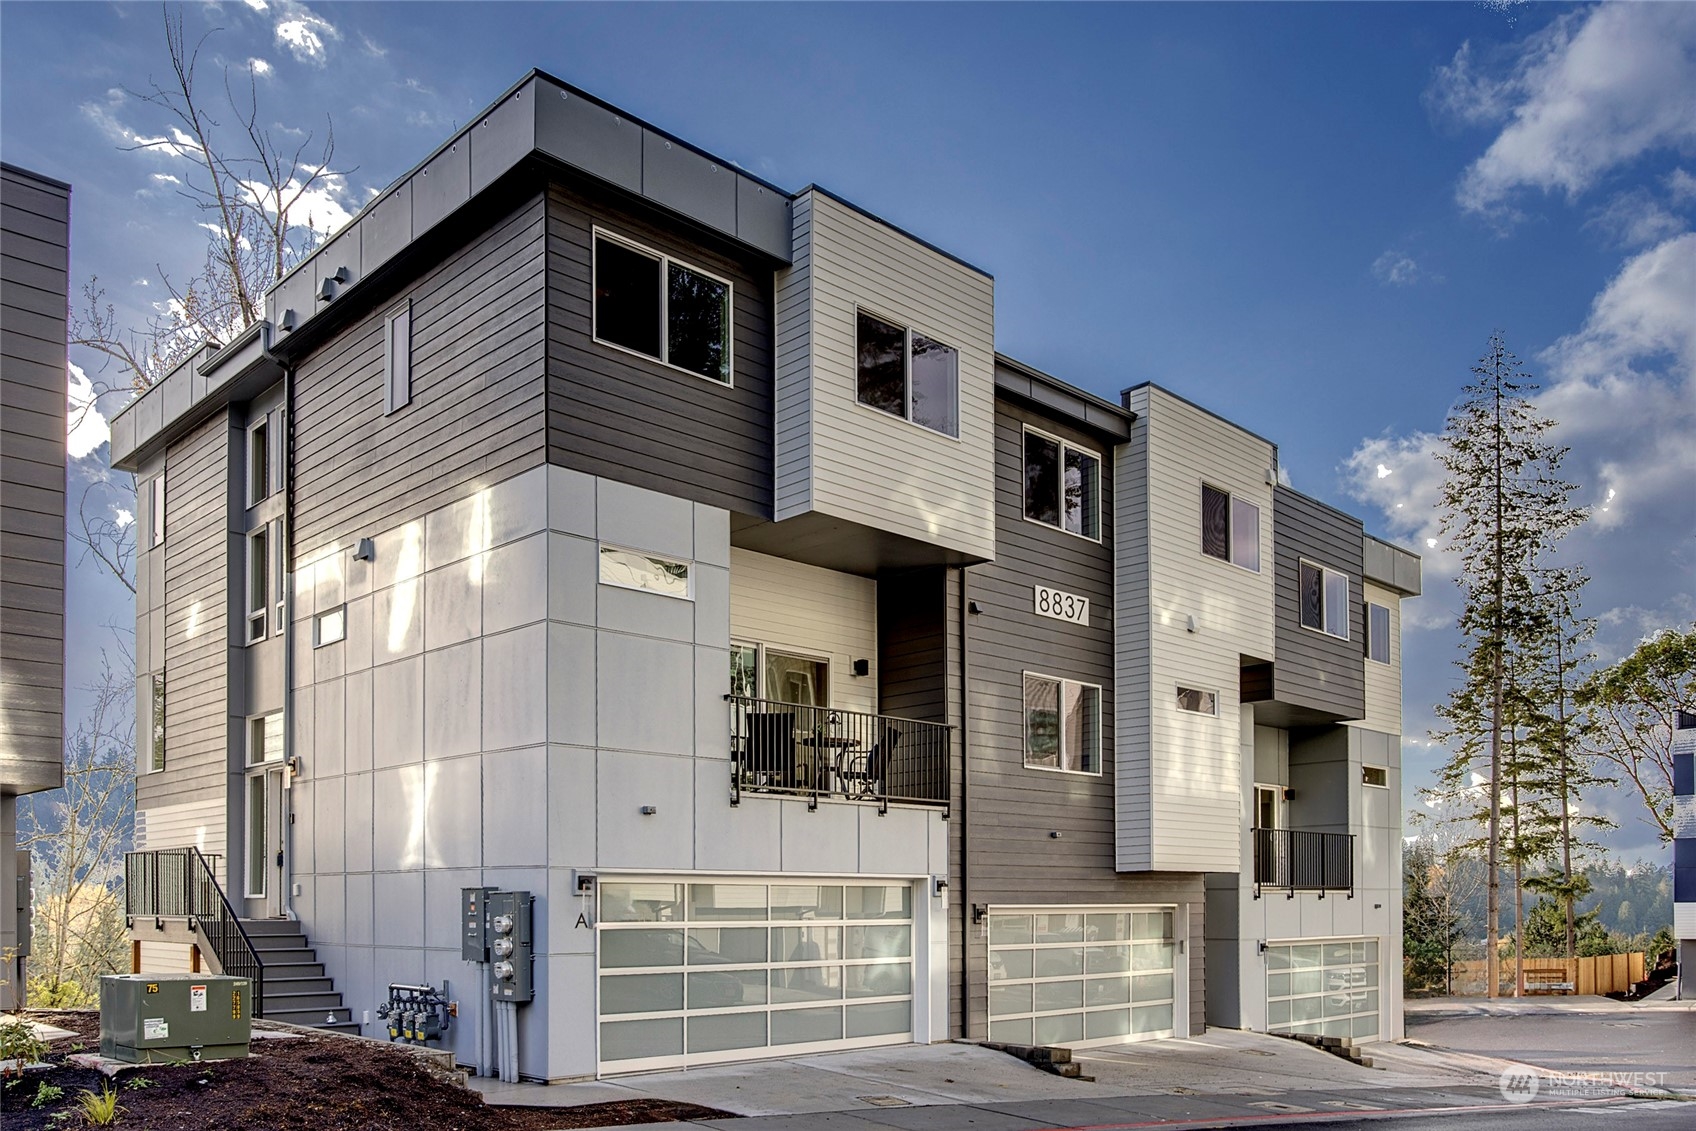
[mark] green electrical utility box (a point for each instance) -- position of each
(173, 1018)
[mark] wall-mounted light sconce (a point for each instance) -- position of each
(296, 767)
(585, 883)
(862, 667)
(366, 551)
(974, 608)
(650, 810)
(1289, 794)
(1190, 625)
(1055, 835)
(939, 885)
(979, 911)
(1260, 946)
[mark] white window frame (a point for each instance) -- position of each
(908, 330)
(258, 469)
(157, 518)
(687, 563)
(1024, 725)
(760, 651)
(1232, 500)
(257, 614)
(1065, 444)
(598, 233)
(1179, 701)
(397, 361)
(279, 578)
(1372, 638)
(320, 638)
(1326, 573)
(1366, 776)
(1278, 804)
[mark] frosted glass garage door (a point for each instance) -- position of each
(1326, 988)
(1082, 975)
(694, 973)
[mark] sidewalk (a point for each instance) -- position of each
(1226, 1074)
(1419, 1008)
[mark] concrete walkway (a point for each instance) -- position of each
(1227, 1074)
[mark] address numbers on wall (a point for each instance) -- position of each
(1062, 606)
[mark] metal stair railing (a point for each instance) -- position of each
(180, 883)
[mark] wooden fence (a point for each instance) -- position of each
(1600, 974)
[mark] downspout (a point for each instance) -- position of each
(965, 831)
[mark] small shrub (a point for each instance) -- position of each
(45, 1094)
(137, 1083)
(100, 1109)
(19, 1043)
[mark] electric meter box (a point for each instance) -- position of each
(174, 1018)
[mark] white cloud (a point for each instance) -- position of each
(1594, 90)
(1681, 186)
(304, 32)
(85, 427)
(258, 66)
(166, 179)
(1635, 218)
(122, 517)
(1398, 269)
(320, 208)
(258, 5)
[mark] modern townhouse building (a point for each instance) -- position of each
(591, 520)
(34, 281)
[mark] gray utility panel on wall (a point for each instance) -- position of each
(511, 947)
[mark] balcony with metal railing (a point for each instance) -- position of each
(823, 752)
(1294, 860)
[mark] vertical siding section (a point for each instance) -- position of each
(620, 415)
(792, 457)
(1192, 804)
(808, 611)
(1384, 681)
(201, 581)
(34, 237)
(869, 466)
(1132, 762)
(1313, 669)
(476, 413)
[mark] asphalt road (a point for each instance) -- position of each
(1638, 1115)
(1661, 1042)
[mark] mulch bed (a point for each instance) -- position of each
(316, 1083)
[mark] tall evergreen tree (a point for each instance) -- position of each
(1502, 507)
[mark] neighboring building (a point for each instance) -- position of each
(35, 217)
(591, 519)
(1684, 848)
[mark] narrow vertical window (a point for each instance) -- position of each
(258, 462)
(1215, 523)
(397, 359)
(1082, 493)
(156, 759)
(1378, 633)
(1245, 534)
(279, 575)
(1042, 479)
(1337, 604)
(258, 583)
(1311, 580)
(1324, 599)
(158, 509)
(882, 377)
(935, 385)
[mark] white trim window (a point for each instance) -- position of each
(279, 577)
(1268, 806)
(1324, 598)
(258, 582)
(1230, 528)
(1062, 725)
(157, 515)
(397, 358)
(634, 569)
(1196, 700)
(258, 461)
(1062, 485)
(1377, 632)
(779, 675)
(647, 303)
(329, 627)
(905, 373)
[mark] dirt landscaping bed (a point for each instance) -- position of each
(310, 1082)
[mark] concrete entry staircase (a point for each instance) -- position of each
(296, 988)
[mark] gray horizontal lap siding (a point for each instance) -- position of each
(34, 231)
(618, 415)
(199, 592)
(1313, 669)
(1012, 809)
(476, 414)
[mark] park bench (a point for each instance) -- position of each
(1547, 982)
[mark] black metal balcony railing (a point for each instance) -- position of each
(816, 752)
(180, 883)
(1294, 860)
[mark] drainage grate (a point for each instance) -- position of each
(884, 1101)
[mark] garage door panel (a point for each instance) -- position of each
(1326, 988)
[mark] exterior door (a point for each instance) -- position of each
(264, 845)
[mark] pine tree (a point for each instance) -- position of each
(1502, 507)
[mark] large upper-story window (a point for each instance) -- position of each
(654, 305)
(1062, 485)
(1324, 600)
(1062, 724)
(904, 373)
(1230, 528)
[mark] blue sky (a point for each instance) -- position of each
(1306, 217)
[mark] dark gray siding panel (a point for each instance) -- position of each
(619, 415)
(912, 643)
(34, 264)
(200, 589)
(1314, 670)
(1013, 810)
(477, 391)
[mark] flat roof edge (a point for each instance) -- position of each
(1092, 412)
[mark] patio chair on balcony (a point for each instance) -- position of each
(866, 776)
(771, 749)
